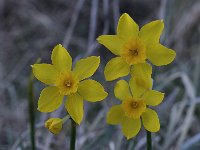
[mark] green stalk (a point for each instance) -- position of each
(31, 111)
(32, 108)
(65, 118)
(73, 135)
(149, 143)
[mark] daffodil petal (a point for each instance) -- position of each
(112, 42)
(91, 90)
(84, 68)
(115, 115)
(61, 59)
(139, 86)
(151, 32)
(74, 106)
(50, 99)
(150, 120)
(153, 97)
(122, 90)
(130, 127)
(141, 70)
(115, 68)
(160, 55)
(127, 28)
(46, 73)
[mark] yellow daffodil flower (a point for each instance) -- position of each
(54, 125)
(133, 46)
(135, 106)
(66, 82)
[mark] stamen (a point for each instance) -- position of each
(68, 83)
(134, 105)
(134, 52)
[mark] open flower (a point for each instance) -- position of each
(133, 46)
(135, 102)
(54, 125)
(66, 82)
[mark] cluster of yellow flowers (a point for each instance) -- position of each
(133, 48)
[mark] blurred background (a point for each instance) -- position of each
(29, 29)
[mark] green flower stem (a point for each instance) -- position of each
(149, 143)
(73, 135)
(65, 118)
(31, 111)
(32, 108)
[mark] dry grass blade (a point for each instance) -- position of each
(73, 22)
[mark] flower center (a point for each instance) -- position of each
(67, 83)
(134, 51)
(134, 108)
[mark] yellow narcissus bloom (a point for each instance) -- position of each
(133, 46)
(64, 81)
(54, 125)
(134, 106)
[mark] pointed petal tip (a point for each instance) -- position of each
(125, 14)
(59, 45)
(174, 53)
(162, 93)
(38, 109)
(41, 109)
(128, 138)
(78, 121)
(98, 57)
(99, 39)
(106, 93)
(173, 56)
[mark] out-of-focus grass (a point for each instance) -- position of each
(29, 29)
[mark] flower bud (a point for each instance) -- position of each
(54, 125)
